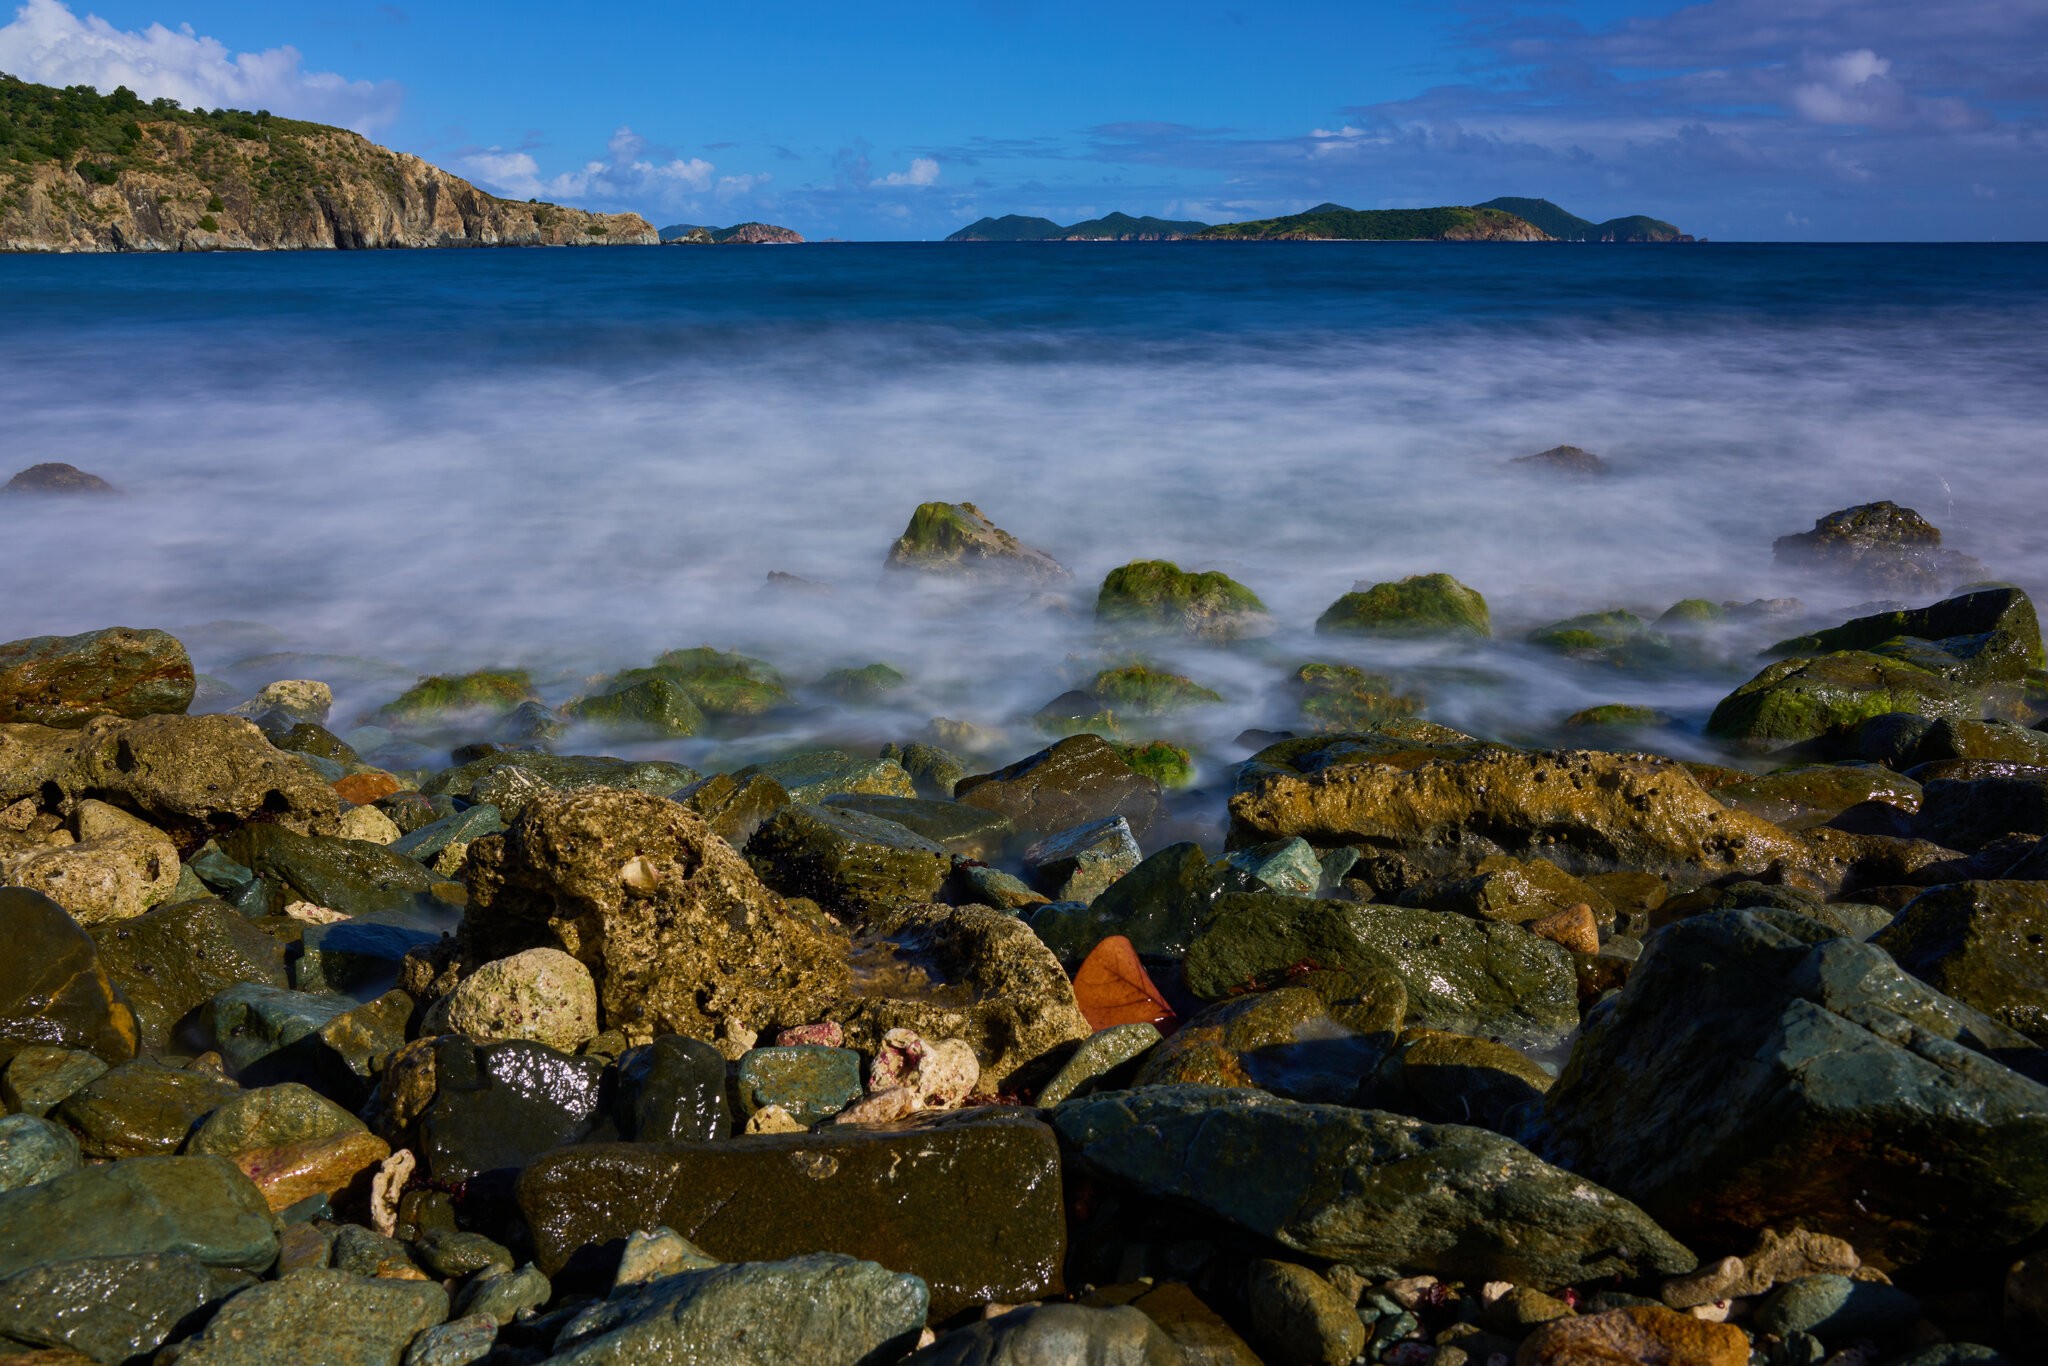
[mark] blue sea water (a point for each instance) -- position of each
(573, 459)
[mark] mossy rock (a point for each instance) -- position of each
(443, 696)
(1341, 697)
(652, 706)
(1617, 716)
(1141, 690)
(1991, 635)
(1594, 631)
(1163, 762)
(1802, 699)
(1159, 595)
(722, 682)
(958, 539)
(1692, 612)
(1419, 605)
(861, 685)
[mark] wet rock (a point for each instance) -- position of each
(1118, 1336)
(957, 540)
(652, 708)
(964, 831)
(734, 807)
(1080, 779)
(968, 1201)
(821, 1307)
(1982, 943)
(53, 989)
(932, 768)
(1461, 974)
(965, 972)
(673, 1088)
(1458, 1079)
(359, 1320)
(1381, 1193)
(190, 774)
(65, 681)
(1645, 1333)
(455, 1343)
(1617, 638)
(509, 780)
(808, 1083)
(1288, 866)
(54, 476)
(42, 1076)
(505, 1299)
(1097, 1059)
(1814, 794)
(539, 994)
(1335, 698)
(327, 1041)
(449, 1253)
(324, 1169)
(142, 1107)
(1988, 636)
(1282, 1041)
(678, 932)
(819, 774)
(117, 868)
(271, 1117)
(1419, 605)
(498, 1106)
(1878, 546)
(1758, 1069)
(349, 876)
(1568, 460)
(1803, 698)
(1583, 810)
(850, 863)
(977, 884)
(1298, 1317)
(424, 842)
(1162, 904)
(365, 823)
(1511, 891)
(34, 1150)
(1954, 737)
(1971, 813)
(109, 1308)
(1836, 1309)
(1112, 988)
(1079, 864)
(1154, 595)
(200, 1207)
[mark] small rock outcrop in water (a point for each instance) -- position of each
(57, 477)
(741, 234)
(1571, 460)
(958, 539)
(1879, 546)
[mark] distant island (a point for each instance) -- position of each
(82, 171)
(740, 234)
(1497, 220)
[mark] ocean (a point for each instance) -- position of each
(364, 466)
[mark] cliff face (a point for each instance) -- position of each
(187, 188)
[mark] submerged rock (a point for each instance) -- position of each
(65, 681)
(445, 699)
(1879, 546)
(650, 707)
(722, 683)
(55, 476)
(1160, 596)
(1419, 605)
(958, 540)
(1571, 460)
(1381, 1193)
(1341, 697)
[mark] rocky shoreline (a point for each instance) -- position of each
(411, 1038)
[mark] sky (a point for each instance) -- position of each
(1778, 120)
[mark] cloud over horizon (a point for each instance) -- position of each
(47, 43)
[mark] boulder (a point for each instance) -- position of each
(54, 476)
(65, 681)
(1383, 1194)
(454, 699)
(1283, 1041)
(736, 807)
(1982, 943)
(1458, 1079)
(1582, 810)
(539, 994)
(326, 1040)
(1807, 795)
(357, 1321)
(1046, 1333)
(673, 1088)
(200, 1207)
(678, 932)
(1804, 698)
(821, 1307)
(1989, 635)
(53, 988)
(271, 1117)
(1570, 460)
(722, 683)
(110, 1308)
(498, 1106)
(1081, 863)
(869, 683)
(1757, 1069)
(34, 1150)
(1299, 1317)
(1335, 698)
(1877, 546)
(1419, 605)
(968, 1201)
(1155, 595)
(171, 961)
(1970, 813)
(819, 774)
(1160, 905)
(652, 708)
(116, 868)
(350, 876)
(1954, 737)
(957, 540)
(508, 780)
(850, 863)
(965, 831)
(43, 1076)
(1638, 1333)
(143, 1108)
(1080, 779)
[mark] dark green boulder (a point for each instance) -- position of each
(498, 1106)
(65, 681)
(720, 682)
(1140, 690)
(447, 698)
(1804, 698)
(861, 685)
(1954, 737)
(1342, 697)
(1382, 1193)
(1988, 636)
(1156, 595)
(1812, 794)
(33, 1150)
(816, 774)
(143, 1108)
(201, 1207)
(172, 960)
(353, 877)
(957, 540)
(1419, 605)
(1758, 1069)
(111, 1309)
(53, 989)
(1983, 943)
(355, 1320)
(967, 831)
(651, 708)
(848, 862)
(328, 1041)
(1164, 902)
(672, 1088)
(734, 807)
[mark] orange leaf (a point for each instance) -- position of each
(1113, 989)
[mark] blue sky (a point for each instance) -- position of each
(1750, 119)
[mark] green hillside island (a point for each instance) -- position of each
(82, 171)
(1569, 227)
(740, 234)
(1498, 220)
(1113, 227)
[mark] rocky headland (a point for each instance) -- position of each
(437, 1035)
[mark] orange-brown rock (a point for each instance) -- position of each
(1640, 1336)
(1575, 929)
(364, 788)
(320, 1166)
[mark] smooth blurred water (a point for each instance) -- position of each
(574, 459)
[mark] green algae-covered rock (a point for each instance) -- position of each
(142, 1108)
(1461, 974)
(353, 877)
(34, 1150)
(1983, 943)
(1803, 698)
(721, 682)
(1381, 1193)
(932, 768)
(442, 698)
(1617, 716)
(110, 1308)
(1419, 605)
(1140, 690)
(172, 960)
(1988, 636)
(957, 540)
(1159, 595)
(65, 681)
(1813, 794)
(271, 1117)
(968, 1201)
(1342, 697)
(863, 684)
(656, 707)
(1096, 1058)
(357, 1321)
(1691, 613)
(42, 1076)
(809, 1082)
(1595, 634)
(1955, 737)
(201, 1207)
(1758, 1069)
(813, 775)
(846, 861)
(509, 780)
(53, 988)
(821, 1307)
(1164, 762)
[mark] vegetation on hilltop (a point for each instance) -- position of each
(104, 133)
(1569, 227)
(1334, 222)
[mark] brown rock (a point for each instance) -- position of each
(1078, 780)
(1574, 929)
(1641, 1336)
(1780, 1257)
(67, 680)
(319, 1166)
(54, 476)
(363, 788)
(53, 989)
(678, 931)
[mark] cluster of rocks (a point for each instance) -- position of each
(430, 1045)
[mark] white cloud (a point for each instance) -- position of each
(626, 177)
(46, 43)
(923, 171)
